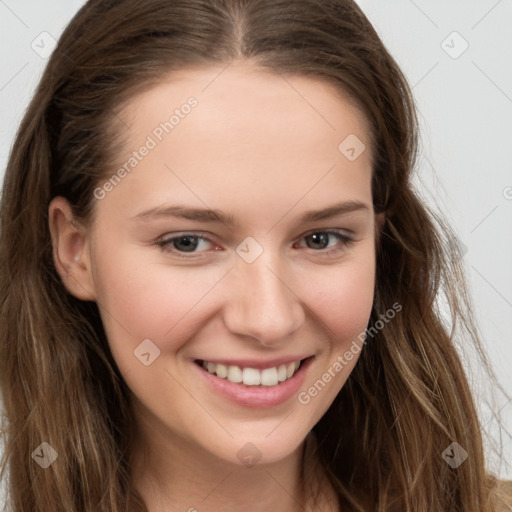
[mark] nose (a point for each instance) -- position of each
(261, 303)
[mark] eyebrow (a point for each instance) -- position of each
(182, 212)
(210, 215)
(334, 210)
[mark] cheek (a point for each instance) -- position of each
(141, 299)
(342, 299)
(341, 303)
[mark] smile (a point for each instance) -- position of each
(253, 376)
(251, 383)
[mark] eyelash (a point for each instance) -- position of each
(166, 243)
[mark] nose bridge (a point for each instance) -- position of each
(263, 304)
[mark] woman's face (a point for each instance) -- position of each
(240, 238)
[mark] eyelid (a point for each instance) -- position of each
(335, 231)
(182, 234)
(345, 238)
(165, 242)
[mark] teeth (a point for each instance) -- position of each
(234, 374)
(282, 374)
(252, 376)
(222, 371)
(290, 369)
(269, 377)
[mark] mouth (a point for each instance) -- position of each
(250, 383)
(250, 376)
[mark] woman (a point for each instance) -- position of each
(219, 289)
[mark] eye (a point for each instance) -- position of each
(185, 243)
(330, 240)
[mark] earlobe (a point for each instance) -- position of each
(380, 219)
(70, 250)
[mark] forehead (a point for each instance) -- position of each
(242, 92)
(251, 133)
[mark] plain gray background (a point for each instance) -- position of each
(457, 56)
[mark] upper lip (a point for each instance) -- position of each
(254, 363)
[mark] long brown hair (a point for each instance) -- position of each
(408, 397)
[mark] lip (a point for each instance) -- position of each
(256, 396)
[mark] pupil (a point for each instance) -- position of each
(320, 239)
(186, 243)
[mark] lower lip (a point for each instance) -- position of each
(257, 396)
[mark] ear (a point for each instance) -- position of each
(71, 254)
(380, 219)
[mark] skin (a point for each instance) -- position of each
(264, 150)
